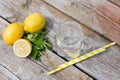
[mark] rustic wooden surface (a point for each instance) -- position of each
(117, 2)
(99, 15)
(26, 69)
(102, 67)
(5, 74)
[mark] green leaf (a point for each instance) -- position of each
(44, 32)
(34, 52)
(25, 35)
(39, 42)
(31, 37)
(38, 58)
(48, 44)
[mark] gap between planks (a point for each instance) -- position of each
(97, 56)
(42, 65)
(9, 73)
(76, 20)
(95, 27)
(74, 65)
(117, 2)
(29, 57)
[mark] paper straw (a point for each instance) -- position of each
(81, 58)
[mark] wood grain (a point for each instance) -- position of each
(6, 74)
(88, 12)
(103, 67)
(117, 2)
(27, 69)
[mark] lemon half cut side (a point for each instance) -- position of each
(22, 47)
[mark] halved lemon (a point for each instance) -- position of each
(22, 47)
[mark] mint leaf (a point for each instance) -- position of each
(37, 58)
(25, 35)
(31, 37)
(44, 32)
(47, 44)
(34, 52)
(39, 42)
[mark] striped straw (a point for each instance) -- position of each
(81, 58)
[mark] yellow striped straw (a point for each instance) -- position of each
(81, 58)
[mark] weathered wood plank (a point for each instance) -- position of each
(117, 2)
(88, 12)
(100, 65)
(3, 77)
(27, 69)
(103, 67)
(6, 74)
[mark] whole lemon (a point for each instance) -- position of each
(12, 33)
(34, 22)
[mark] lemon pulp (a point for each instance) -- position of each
(22, 48)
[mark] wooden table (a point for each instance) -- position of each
(100, 19)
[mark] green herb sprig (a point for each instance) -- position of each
(40, 43)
